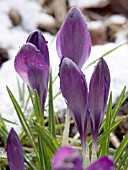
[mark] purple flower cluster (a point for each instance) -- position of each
(73, 46)
(32, 64)
(67, 158)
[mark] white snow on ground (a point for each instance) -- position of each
(14, 37)
(88, 3)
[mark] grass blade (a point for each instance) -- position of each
(104, 148)
(41, 154)
(46, 136)
(31, 96)
(23, 121)
(40, 120)
(108, 52)
(108, 131)
(126, 166)
(38, 109)
(29, 162)
(122, 162)
(121, 148)
(51, 122)
(8, 121)
(118, 104)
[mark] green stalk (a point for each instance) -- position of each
(66, 128)
(85, 155)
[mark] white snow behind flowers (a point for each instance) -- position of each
(13, 38)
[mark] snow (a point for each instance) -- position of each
(88, 3)
(117, 65)
(117, 19)
(94, 25)
(13, 38)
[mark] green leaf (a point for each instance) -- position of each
(109, 130)
(57, 94)
(29, 161)
(50, 141)
(118, 104)
(122, 162)
(39, 117)
(38, 109)
(23, 121)
(8, 121)
(41, 154)
(125, 98)
(31, 96)
(126, 166)
(105, 54)
(51, 122)
(120, 149)
(104, 147)
(21, 91)
(26, 104)
(3, 131)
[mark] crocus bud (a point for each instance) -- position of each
(104, 163)
(74, 89)
(98, 95)
(66, 158)
(73, 40)
(14, 152)
(37, 39)
(32, 67)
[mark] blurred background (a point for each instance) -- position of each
(107, 22)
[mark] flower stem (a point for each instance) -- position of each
(66, 128)
(85, 155)
(94, 152)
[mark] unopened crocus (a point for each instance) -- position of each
(14, 152)
(74, 89)
(32, 64)
(98, 96)
(67, 158)
(37, 39)
(73, 40)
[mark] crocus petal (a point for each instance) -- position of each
(66, 158)
(31, 65)
(104, 163)
(37, 39)
(14, 152)
(74, 89)
(98, 94)
(73, 40)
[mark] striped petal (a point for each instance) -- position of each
(74, 89)
(31, 65)
(73, 40)
(37, 39)
(98, 95)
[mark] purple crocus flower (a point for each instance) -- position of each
(37, 39)
(14, 152)
(98, 96)
(32, 64)
(74, 89)
(67, 158)
(104, 163)
(73, 40)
